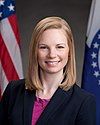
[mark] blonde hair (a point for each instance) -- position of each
(32, 78)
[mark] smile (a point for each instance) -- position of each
(52, 62)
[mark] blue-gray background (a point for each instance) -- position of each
(75, 12)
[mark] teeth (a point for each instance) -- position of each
(52, 62)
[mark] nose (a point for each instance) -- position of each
(52, 53)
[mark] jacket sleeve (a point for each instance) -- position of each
(87, 112)
(4, 106)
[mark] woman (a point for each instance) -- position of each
(49, 95)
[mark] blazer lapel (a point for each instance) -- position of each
(28, 106)
(56, 101)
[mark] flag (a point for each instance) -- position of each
(10, 57)
(91, 69)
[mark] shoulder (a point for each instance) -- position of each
(13, 91)
(81, 93)
(79, 96)
(87, 106)
(83, 99)
(16, 83)
(82, 103)
(13, 88)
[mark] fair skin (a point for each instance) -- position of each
(52, 57)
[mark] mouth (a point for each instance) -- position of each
(52, 63)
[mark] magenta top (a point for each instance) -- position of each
(39, 106)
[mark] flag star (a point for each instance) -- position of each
(93, 55)
(96, 73)
(0, 14)
(94, 64)
(96, 45)
(98, 36)
(1, 2)
(99, 82)
(11, 7)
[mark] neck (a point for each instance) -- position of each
(50, 84)
(51, 80)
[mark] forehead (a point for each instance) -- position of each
(53, 35)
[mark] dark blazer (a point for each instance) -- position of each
(72, 107)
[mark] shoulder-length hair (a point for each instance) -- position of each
(32, 78)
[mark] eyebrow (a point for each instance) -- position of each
(61, 44)
(42, 44)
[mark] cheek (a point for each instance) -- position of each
(65, 57)
(41, 55)
(65, 54)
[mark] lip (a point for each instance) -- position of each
(52, 63)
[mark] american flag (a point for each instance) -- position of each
(10, 57)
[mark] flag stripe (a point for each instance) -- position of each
(12, 19)
(8, 67)
(90, 17)
(13, 48)
(95, 23)
(3, 79)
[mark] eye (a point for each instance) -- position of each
(60, 47)
(42, 47)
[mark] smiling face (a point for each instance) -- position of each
(53, 51)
